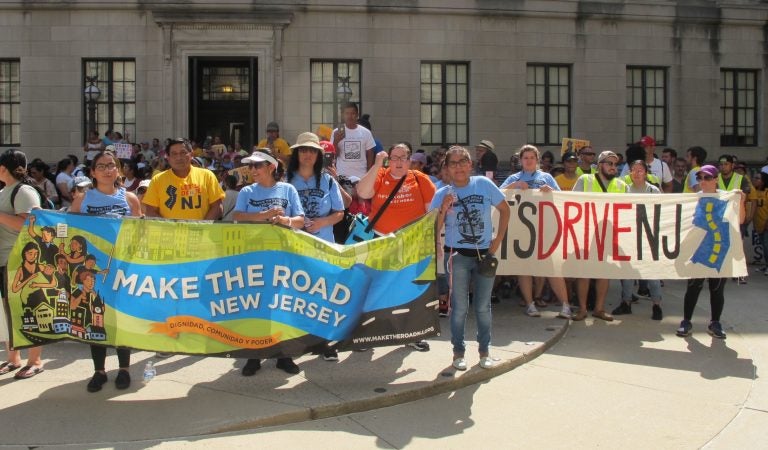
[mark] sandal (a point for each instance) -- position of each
(27, 372)
(8, 367)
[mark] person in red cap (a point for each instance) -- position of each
(657, 167)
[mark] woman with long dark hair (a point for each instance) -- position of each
(13, 170)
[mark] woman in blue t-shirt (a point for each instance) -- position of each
(465, 210)
(107, 197)
(531, 177)
(268, 200)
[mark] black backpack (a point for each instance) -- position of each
(45, 202)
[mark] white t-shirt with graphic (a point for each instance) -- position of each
(351, 159)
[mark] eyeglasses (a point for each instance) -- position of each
(460, 162)
(610, 163)
(103, 167)
(257, 165)
(398, 158)
(704, 177)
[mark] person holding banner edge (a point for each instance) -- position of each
(707, 179)
(465, 211)
(108, 197)
(533, 178)
(13, 170)
(268, 200)
(411, 192)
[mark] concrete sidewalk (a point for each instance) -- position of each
(193, 396)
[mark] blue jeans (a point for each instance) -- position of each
(653, 285)
(464, 271)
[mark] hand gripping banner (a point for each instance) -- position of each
(220, 289)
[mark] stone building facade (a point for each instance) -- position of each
(427, 71)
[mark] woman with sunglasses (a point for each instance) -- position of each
(268, 200)
(107, 197)
(706, 178)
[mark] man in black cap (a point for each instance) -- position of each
(486, 159)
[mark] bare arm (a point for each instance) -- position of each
(134, 203)
(504, 214)
(366, 184)
(215, 211)
(151, 211)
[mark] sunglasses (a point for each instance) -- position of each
(257, 165)
(610, 163)
(704, 177)
(587, 153)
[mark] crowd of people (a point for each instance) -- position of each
(326, 177)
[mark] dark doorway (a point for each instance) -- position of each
(222, 99)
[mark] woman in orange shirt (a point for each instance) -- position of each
(410, 202)
(412, 198)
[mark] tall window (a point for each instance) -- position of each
(444, 103)
(739, 99)
(10, 99)
(116, 106)
(328, 82)
(646, 103)
(549, 103)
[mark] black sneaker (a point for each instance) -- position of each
(97, 381)
(623, 308)
(288, 366)
(422, 346)
(644, 293)
(716, 330)
(685, 329)
(251, 367)
(331, 355)
(495, 299)
(123, 379)
(656, 315)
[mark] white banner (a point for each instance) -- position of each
(622, 236)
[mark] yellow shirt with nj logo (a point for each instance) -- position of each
(184, 198)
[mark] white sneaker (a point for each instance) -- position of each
(486, 362)
(460, 364)
(565, 313)
(532, 311)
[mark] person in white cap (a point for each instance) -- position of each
(268, 200)
(487, 161)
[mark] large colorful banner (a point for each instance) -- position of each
(622, 236)
(225, 289)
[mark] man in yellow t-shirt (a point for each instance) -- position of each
(183, 191)
(567, 179)
(274, 142)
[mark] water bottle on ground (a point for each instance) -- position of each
(149, 372)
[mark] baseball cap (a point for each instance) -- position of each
(307, 139)
(419, 157)
(258, 156)
(568, 156)
(726, 158)
(144, 184)
(487, 144)
(708, 170)
(647, 141)
(273, 126)
(605, 155)
(328, 147)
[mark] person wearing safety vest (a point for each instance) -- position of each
(730, 180)
(695, 156)
(605, 180)
(586, 158)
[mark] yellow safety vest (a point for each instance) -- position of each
(687, 188)
(580, 172)
(615, 186)
(733, 184)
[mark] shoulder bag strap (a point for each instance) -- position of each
(600, 182)
(376, 218)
